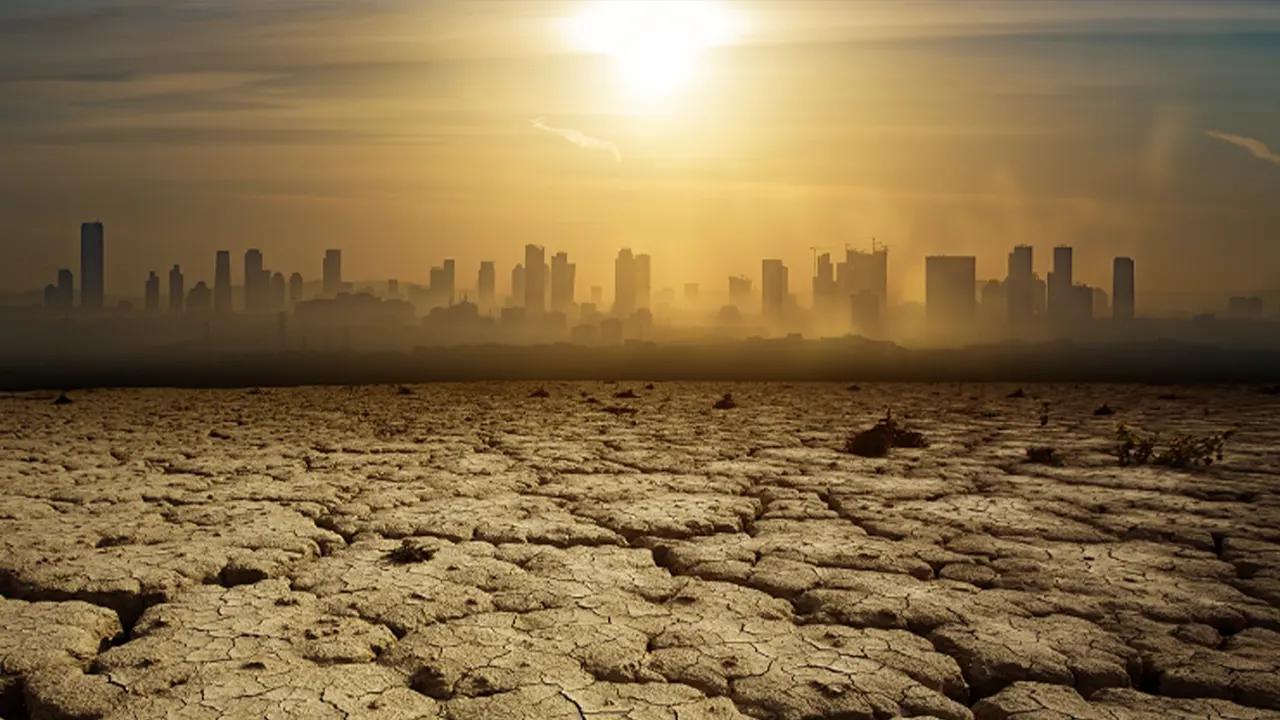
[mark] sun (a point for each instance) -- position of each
(656, 44)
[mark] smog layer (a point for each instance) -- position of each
(632, 550)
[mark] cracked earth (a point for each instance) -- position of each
(470, 551)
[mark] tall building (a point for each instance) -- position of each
(200, 299)
(773, 288)
(950, 291)
(597, 295)
(624, 283)
(535, 280)
(441, 284)
(517, 285)
(256, 280)
(826, 293)
(295, 288)
(332, 272)
(66, 288)
(153, 292)
(1122, 294)
(1062, 299)
(175, 290)
(92, 259)
(563, 276)
(739, 291)
(644, 281)
(222, 282)
(864, 271)
(1019, 287)
(487, 285)
(278, 297)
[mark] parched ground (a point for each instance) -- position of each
(470, 551)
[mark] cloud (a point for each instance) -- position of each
(1255, 147)
(579, 138)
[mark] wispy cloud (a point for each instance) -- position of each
(1254, 146)
(579, 138)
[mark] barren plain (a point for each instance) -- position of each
(618, 550)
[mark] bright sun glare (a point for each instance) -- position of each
(656, 44)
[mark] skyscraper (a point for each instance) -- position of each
(278, 290)
(563, 275)
(535, 280)
(1122, 289)
(332, 272)
(66, 288)
(865, 272)
(222, 282)
(1019, 287)
(1062, 299)
(441, 285)
(175, 290)
(950, 290)
(255, 281)
(624, 283)
(153, 292)
(644, 281)
(295, 288)
(487, 285)
(739, 291)
(773, 289)
(826, 294)
(517, 285)
(92, 259)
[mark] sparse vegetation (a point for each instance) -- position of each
(625, 394)
(1182, 451)
(885, 435)
(411, 550)
(725, 403)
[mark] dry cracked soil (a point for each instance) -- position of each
(481, 551)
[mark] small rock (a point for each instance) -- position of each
(725, 403)
(540, 393)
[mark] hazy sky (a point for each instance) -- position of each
(407, 132)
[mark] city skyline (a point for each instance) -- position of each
(493, 125)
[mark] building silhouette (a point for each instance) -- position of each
(739, 291)
(826, 293)
(535, 280)
(256, 281)
(278, 291)
(1019, 288)
(517, 285)
(331, 273)
(563, 276)
(175, 290)
(486, 286)
(865, 271)
(200, 299)
(92, 264)
(1062, 298)
(1245, 308)
(950, 292)
(1122, 289)
(295, 288)
(773, 288)
(222, 282)
(624, 283)
(152, 293)
(61, 293)
(643, 281)
(441, 285)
